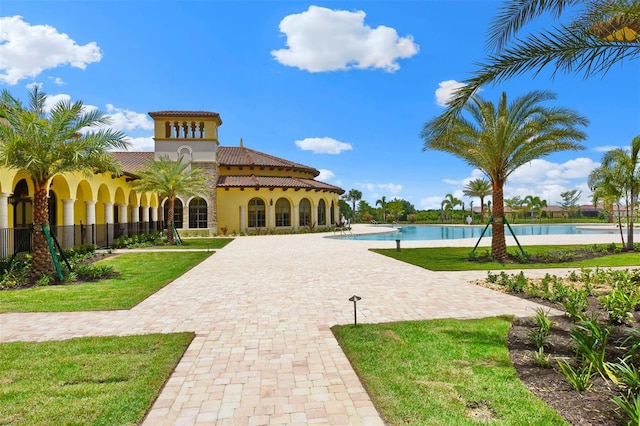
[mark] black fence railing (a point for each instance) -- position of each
(19, 240)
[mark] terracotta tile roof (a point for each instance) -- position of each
(132, 161)
(275, 182)
(241, 156)
(184, 114)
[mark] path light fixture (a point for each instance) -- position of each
(355, 299)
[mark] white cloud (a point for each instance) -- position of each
(27, 50)
(539, 171)
(607, 148)
(446, 91)
(323, 145)
(141, 144)
(325, 175)
(322, 39)
(123, 119)
(58, 81)
(385, 188)
(430, 203)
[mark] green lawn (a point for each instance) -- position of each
(199, 243)
(141, 274)
(98, 380)
(456, 258)
(442, 372)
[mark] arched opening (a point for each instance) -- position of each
(257, 216)
(177, 212)
(332, 216)
(283, 212)
(305, 212)
(198, 213)
(22, 205)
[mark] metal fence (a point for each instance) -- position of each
(19, 240)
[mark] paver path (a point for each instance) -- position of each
(262, 308)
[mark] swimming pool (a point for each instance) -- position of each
(444, 232)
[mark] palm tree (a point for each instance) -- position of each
(354, 196)
(619, 175)
(603, 33)
(480, 188)
(382, 202)
(535, 204)
(497, 139)
(169, 179)
(449, 203)
(44, 144)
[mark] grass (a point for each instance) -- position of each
(456, 258)
(442, 372)
(97, 380)
(199, 243)
(141, 274)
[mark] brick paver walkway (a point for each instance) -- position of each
(262, 309)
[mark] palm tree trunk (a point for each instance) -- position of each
(41, 262)
(630, 222)
(170, 239)
(498, 243)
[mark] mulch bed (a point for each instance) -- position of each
(592, 407)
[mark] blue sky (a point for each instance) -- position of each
(342, 86)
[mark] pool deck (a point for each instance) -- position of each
(262, 308)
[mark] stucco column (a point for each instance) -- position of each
(295, 220)
(124, 218)
(314, 216)
(145, 213)
(4, 223)
(67, 222)
(243, 220)
(4, 209)
(154, 213)
(272, 217)
(108, 221)
(90, 231)
(135, 217)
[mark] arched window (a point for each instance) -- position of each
(22, 205)
(198, 213)
(305, 212)
(53, 209)
(177, 212)
(283, 212)
(322, 213)
(257, 213)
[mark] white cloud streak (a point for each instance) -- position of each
(446, 91)
(323, 145)
(322, 39)
(27, 50)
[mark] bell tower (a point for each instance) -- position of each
(194, 136)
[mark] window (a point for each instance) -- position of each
(198, 213)
(322, 213)
(177, 212)
(283, 212)
(305, 212)
(332, 213)
(257, 213)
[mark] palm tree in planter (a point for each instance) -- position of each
(67, 139)
(497, 139)
(169, 179)
(480, 188)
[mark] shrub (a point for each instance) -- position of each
(630, 406)
(619, 305)
(575, 303)
(579, 378)
(591, 340)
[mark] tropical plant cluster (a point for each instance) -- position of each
(553, 256)
(77, 264)
(141, 240)
(602, 305)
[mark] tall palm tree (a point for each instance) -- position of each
(450, 203)
(44, 144)
(603, 33)
(497, 139)
(480, 188)
(535, 204)
(619, 175)
(354, 196)
(382, 202)
(169, 179)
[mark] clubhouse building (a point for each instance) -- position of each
(248, 192)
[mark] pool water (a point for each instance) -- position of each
(437, 232)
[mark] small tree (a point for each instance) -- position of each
(169, 179)
(480, 188)
(569, 203)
